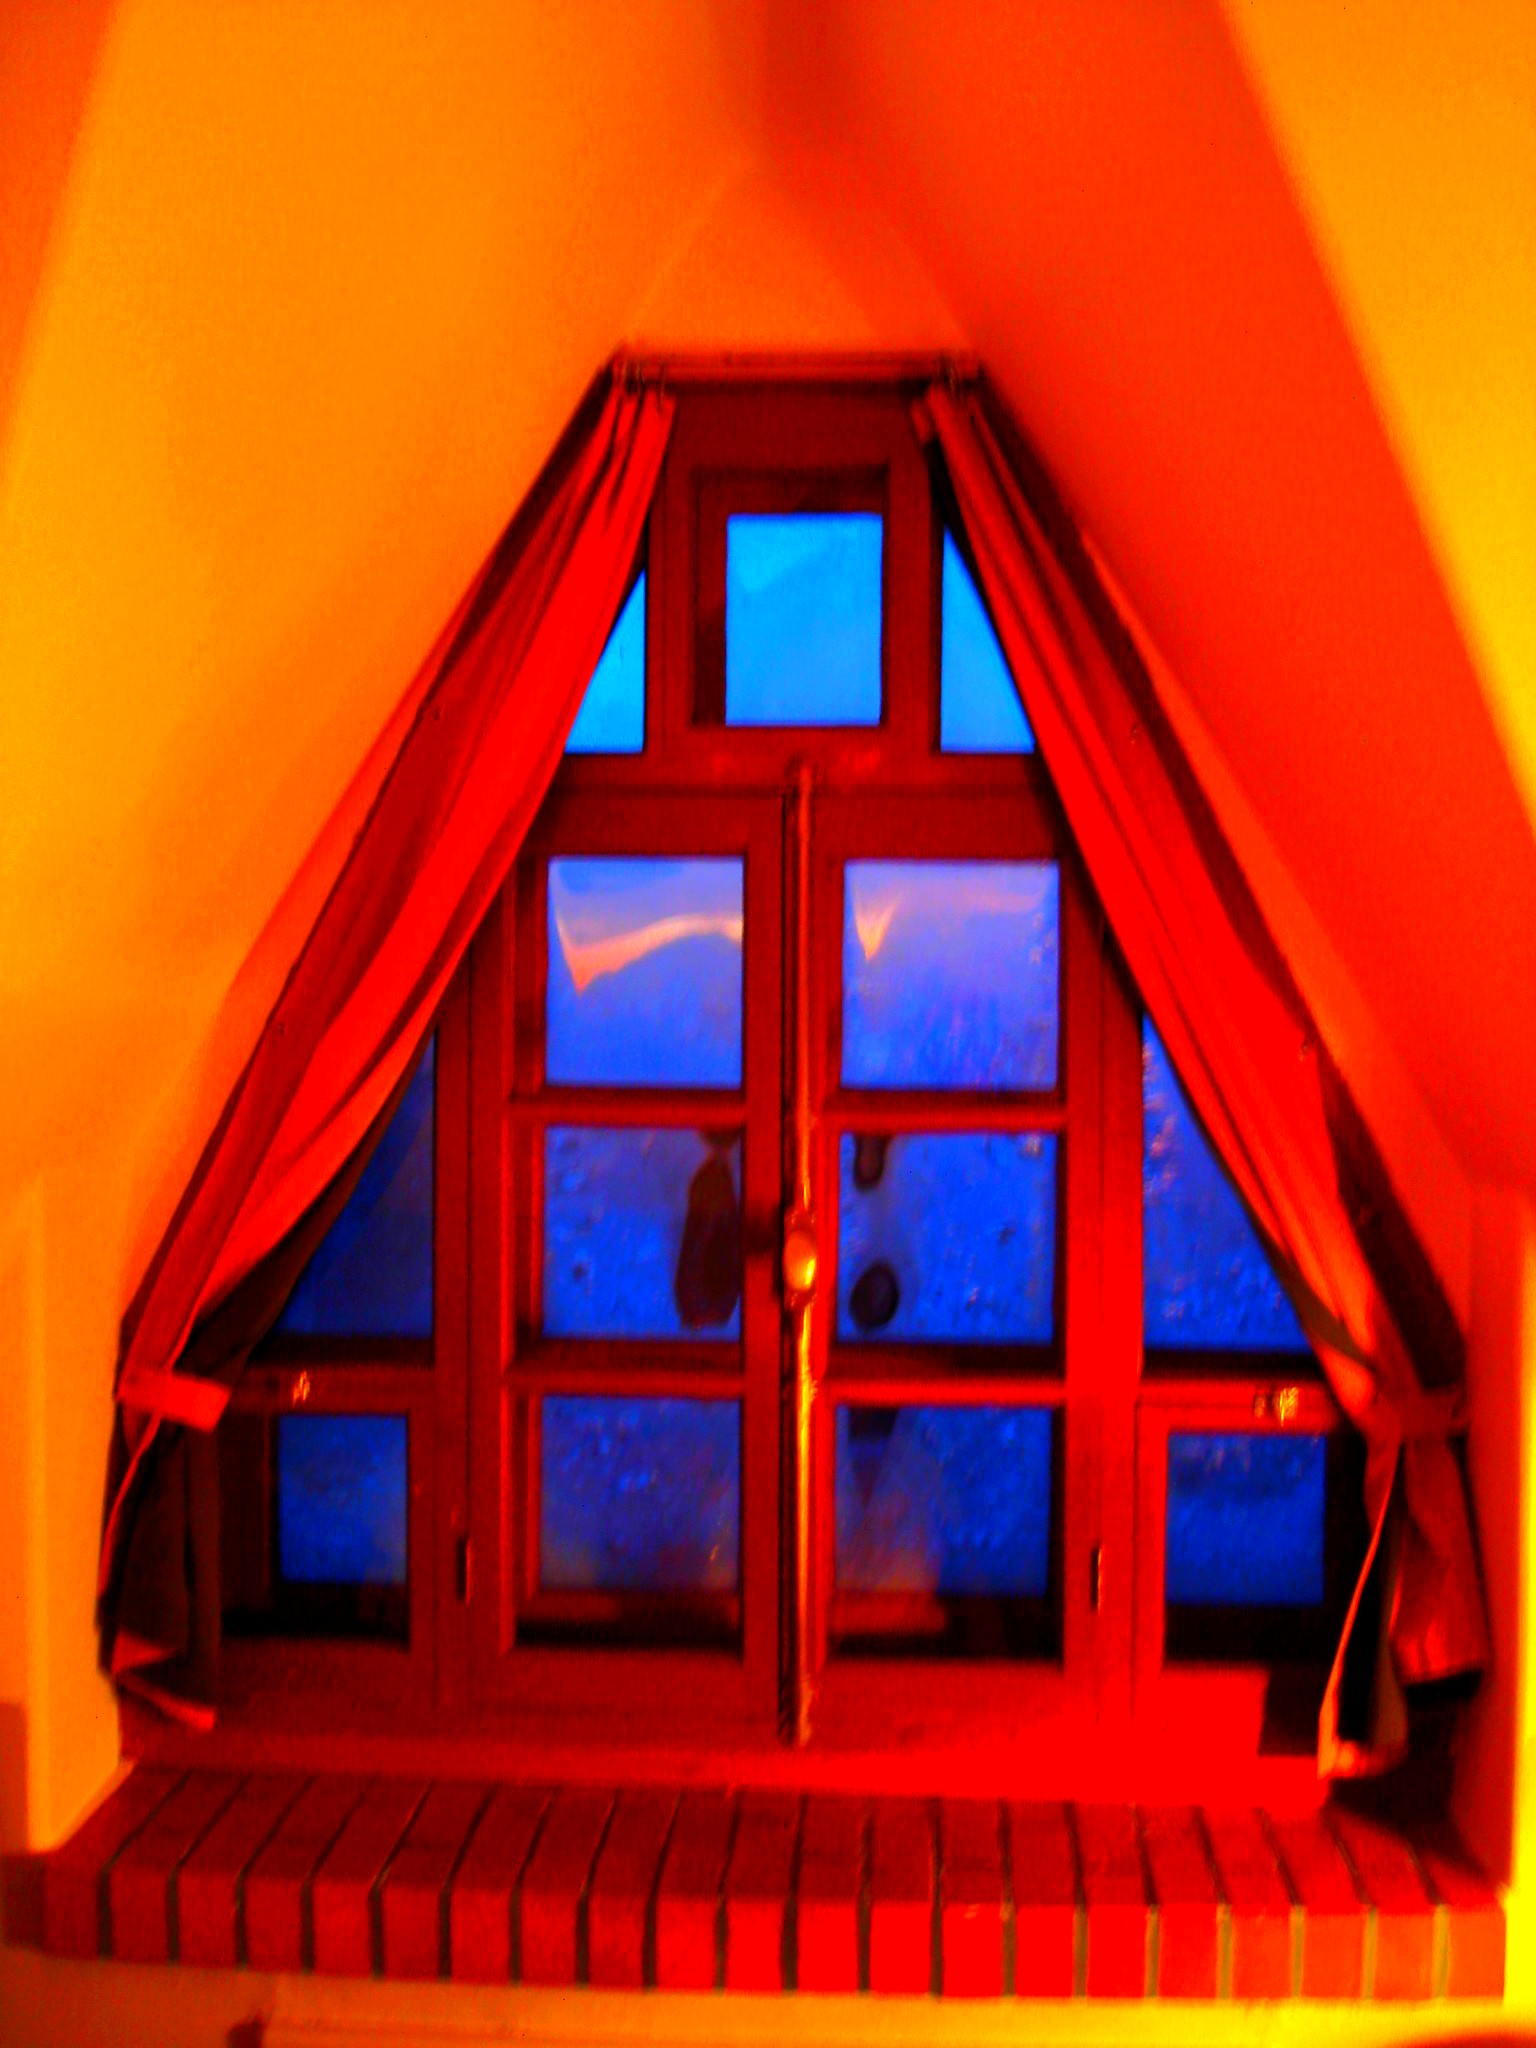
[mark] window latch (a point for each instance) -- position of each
(461, 1564)
(1096, 1577)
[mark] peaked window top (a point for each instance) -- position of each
(979, 708)
(371, 1274)
(1207, 1282)
(612, 715)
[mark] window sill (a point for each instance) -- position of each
(760, 1891)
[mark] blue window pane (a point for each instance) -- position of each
(640, 1495)
(644, 972)
(950, 974)
(979, 708)
(949, 1501)
(371, 1274)
(1246, 1519)
(1206, 1281)
(612, 715)
(947, 1239)
(642, 1234)
(802, 618)
(341, 1500)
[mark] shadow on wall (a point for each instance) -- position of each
(13, 1776)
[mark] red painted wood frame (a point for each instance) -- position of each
(1095, 1722)
(277, 1676)
(516, 1366)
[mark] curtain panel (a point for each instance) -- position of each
(1261, 1082)
(497, 698)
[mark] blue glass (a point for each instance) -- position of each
(612, 715)
(947, 1239)
(341, 1500)
(644, 983)
(802, 618)
(1207, 1283)
(948, 1501)
(621, 1208)
(950, 973)
(1246, 1518)
(979, 708)
(639, 1494)
(371, 1274)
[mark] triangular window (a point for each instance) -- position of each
(979, 708)
(1207, 1284)
(612, 715)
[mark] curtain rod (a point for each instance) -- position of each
(647, 367)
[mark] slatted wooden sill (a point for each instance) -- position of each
(765, 1891)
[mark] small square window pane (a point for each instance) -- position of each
(612, 715)
(1246, 1520)
(341, 1500)
(1207, 1283)
(644, 984)
(951, 1501)
(979, 707)
(371, 1274)
(639, 1495)
(950, 972)
(642, 1233)
(802, 618)
(947, 1239)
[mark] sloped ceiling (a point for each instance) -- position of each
(298, 297)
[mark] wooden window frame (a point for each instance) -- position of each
(471, 1673)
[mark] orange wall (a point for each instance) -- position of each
(303, 296)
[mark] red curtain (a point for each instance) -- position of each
(1241, 1038)
(504, 687)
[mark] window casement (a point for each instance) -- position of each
(837, 1335)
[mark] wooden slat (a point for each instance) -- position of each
(1115, 1898)
(1258, 1904)
(689, 1922)
(276, 1888)
(482, 1923)
(342, 1888)
(971, 1891)
(139, 1923)
(757, 1891)
(413, 1920)
(827, 1893)
(74, 1874)
(1188, 1905)
(901, 1889)
(1333, 1918)
(208, 1888)
(623, 1883)
(1469, 1915)
(554, 1885)
(1398, 1896)
(1042, 1867)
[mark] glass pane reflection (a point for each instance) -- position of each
(642, 1233)
(1206, 1280)
(979, 708)
(645, 972)
(802, 618)
(640, 1494)
(948, 1501)
(1246, 1519)
(371, 1274)
(947, 1238)
(341, 1499)
(612, 715)
(950, 972)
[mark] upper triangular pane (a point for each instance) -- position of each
(371, 1274)
(1207, 1284)
(612, 715)
(979, 708)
